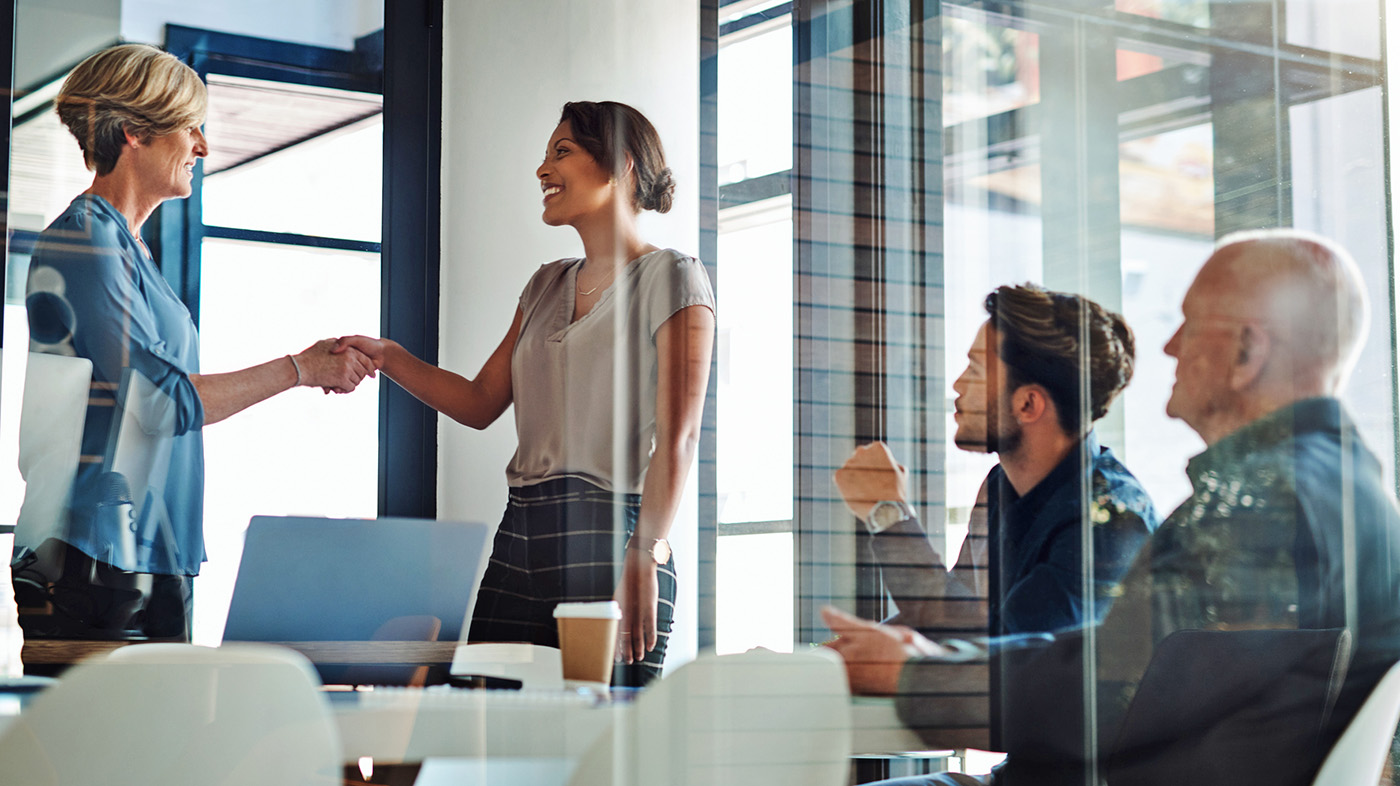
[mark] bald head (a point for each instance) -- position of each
(1272, 317)
(1306, 289)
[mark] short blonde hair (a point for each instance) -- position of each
(132, 87)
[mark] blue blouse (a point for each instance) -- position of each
(94, 292)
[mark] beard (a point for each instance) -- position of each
(1008, 441)
(994, 438)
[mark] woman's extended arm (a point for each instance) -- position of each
(683, 346)
(471, 402)
(230, 393)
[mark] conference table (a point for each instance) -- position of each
(482, 736)
(531, 732)
(408, 725)
(388, 728)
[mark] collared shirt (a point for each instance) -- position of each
(1036, 551)
(1028, 555)
(94, 292)
(1290, 524)
(1261, 539)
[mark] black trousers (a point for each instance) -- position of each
(562, 541)
(62, 593)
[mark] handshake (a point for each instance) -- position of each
(339, 365)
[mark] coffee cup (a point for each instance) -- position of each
(587, 635)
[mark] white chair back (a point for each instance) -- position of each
(52, 414)
(1360, 753)
(732, 720)
(536, 666)
(168, 714)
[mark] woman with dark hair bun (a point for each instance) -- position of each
(606, 362)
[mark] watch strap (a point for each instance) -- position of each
(650, 550)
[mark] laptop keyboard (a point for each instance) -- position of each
(390, 697)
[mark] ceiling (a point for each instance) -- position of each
(250, 118)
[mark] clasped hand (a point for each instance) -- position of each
(331, 371)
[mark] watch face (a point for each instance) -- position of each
(885, 514)
(661, 552)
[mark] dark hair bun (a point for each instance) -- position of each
(615, 134)
(658, 194)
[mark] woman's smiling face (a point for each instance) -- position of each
(575, 185)
(165, 163)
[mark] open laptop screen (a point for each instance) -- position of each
(314, 579)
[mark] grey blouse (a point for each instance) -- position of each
(585, 391)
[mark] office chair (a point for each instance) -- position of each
(177, 714)
(1360, 754)
(756, 718)
(52, 413)
(1228, 707)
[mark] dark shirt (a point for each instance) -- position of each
(1290, 525)
(1030, 559)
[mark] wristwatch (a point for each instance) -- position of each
(659, 550)
(886, 514)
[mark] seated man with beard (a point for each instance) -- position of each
(1023, 396)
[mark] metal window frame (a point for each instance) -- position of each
(403, 62)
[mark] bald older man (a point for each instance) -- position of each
(1290, 525)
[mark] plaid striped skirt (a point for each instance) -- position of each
(562, 541)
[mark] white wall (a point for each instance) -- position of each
(51, 35)
(508, 69)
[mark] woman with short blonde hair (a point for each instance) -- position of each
(120, 560)
(133, 87)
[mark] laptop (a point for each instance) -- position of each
(305, 579)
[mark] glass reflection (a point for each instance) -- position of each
(1286, 550)
(111, 532)
(909, 158)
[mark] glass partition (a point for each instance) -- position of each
(1057, 338)
(275, 245)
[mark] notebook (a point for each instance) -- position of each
(308, 579)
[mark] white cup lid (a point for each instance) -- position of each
(603, 609)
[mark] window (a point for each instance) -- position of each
(754, 472)
(289, 256)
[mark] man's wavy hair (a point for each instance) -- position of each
(1060, 342)
(132, 87)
